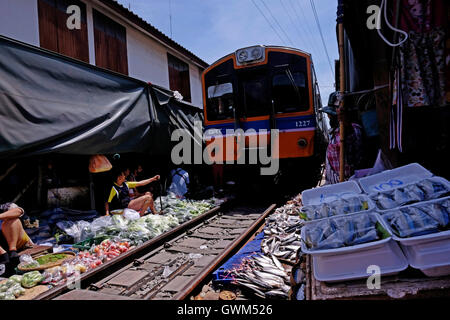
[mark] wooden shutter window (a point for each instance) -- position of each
(54, 34)
(179, 77)
(110, 44)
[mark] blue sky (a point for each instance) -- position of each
(212, 29)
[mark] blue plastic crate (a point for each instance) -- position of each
(221, 275)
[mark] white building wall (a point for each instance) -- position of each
(196, 86)
(147, 59)
(19, 20)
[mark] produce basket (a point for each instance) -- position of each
(88, 243)
(52, 262)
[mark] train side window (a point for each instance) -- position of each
(289, 92)
(220, 102)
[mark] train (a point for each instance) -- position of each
(261, 88)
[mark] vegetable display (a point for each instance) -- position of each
(138, 231)
(85, 261)
(11, 289)
(31, 279)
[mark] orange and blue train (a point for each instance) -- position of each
(267, 87)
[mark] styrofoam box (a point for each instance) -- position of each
(432, 259)
(330, 192)
(391, 179)
(351, 263)
(352, 266)
(431, 252)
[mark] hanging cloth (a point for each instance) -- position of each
(422, 56)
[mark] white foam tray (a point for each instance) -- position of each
(350, 249)
(354, 265)
(391, 179)
(432, 258)
(330, 192)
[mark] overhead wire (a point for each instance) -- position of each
(307, 29)
(276, 21)
(268, 21)
(299, 33)
(313, 7)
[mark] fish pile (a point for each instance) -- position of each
(426, 189)
(282, 236)
(264, 276)
(420, 219)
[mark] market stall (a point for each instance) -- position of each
(97, 243)
(329, 241)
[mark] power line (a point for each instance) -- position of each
(321, 35)
(307, 29)
(299, 33)
(270, 24)
(276, 21)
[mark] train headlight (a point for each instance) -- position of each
(250, 55)
(242, 56)
(257, 53)
(302, 143)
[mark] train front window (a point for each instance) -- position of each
(254, 95)
(220, 102)
(289, 91)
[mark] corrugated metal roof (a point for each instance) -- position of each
(134, 18)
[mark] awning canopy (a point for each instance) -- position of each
(50, 103)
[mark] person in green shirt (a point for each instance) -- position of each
(119, 197)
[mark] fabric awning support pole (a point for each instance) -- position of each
(340, 21)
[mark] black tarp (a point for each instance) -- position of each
(53, 104)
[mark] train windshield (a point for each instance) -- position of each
(220, 101)
(289, 91)
(254, 94)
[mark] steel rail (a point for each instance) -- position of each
(135, 252)
(198, 280)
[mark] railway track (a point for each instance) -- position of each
(173, 265)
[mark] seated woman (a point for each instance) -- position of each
(12, 235)
(119, 197)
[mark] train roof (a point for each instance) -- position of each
(265, 46)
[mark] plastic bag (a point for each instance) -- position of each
(338, 207)
(411, 222)
(31, 279)
(27, 261)
(341, 231)
(73, 229)
(100, 224)
(131, 214)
